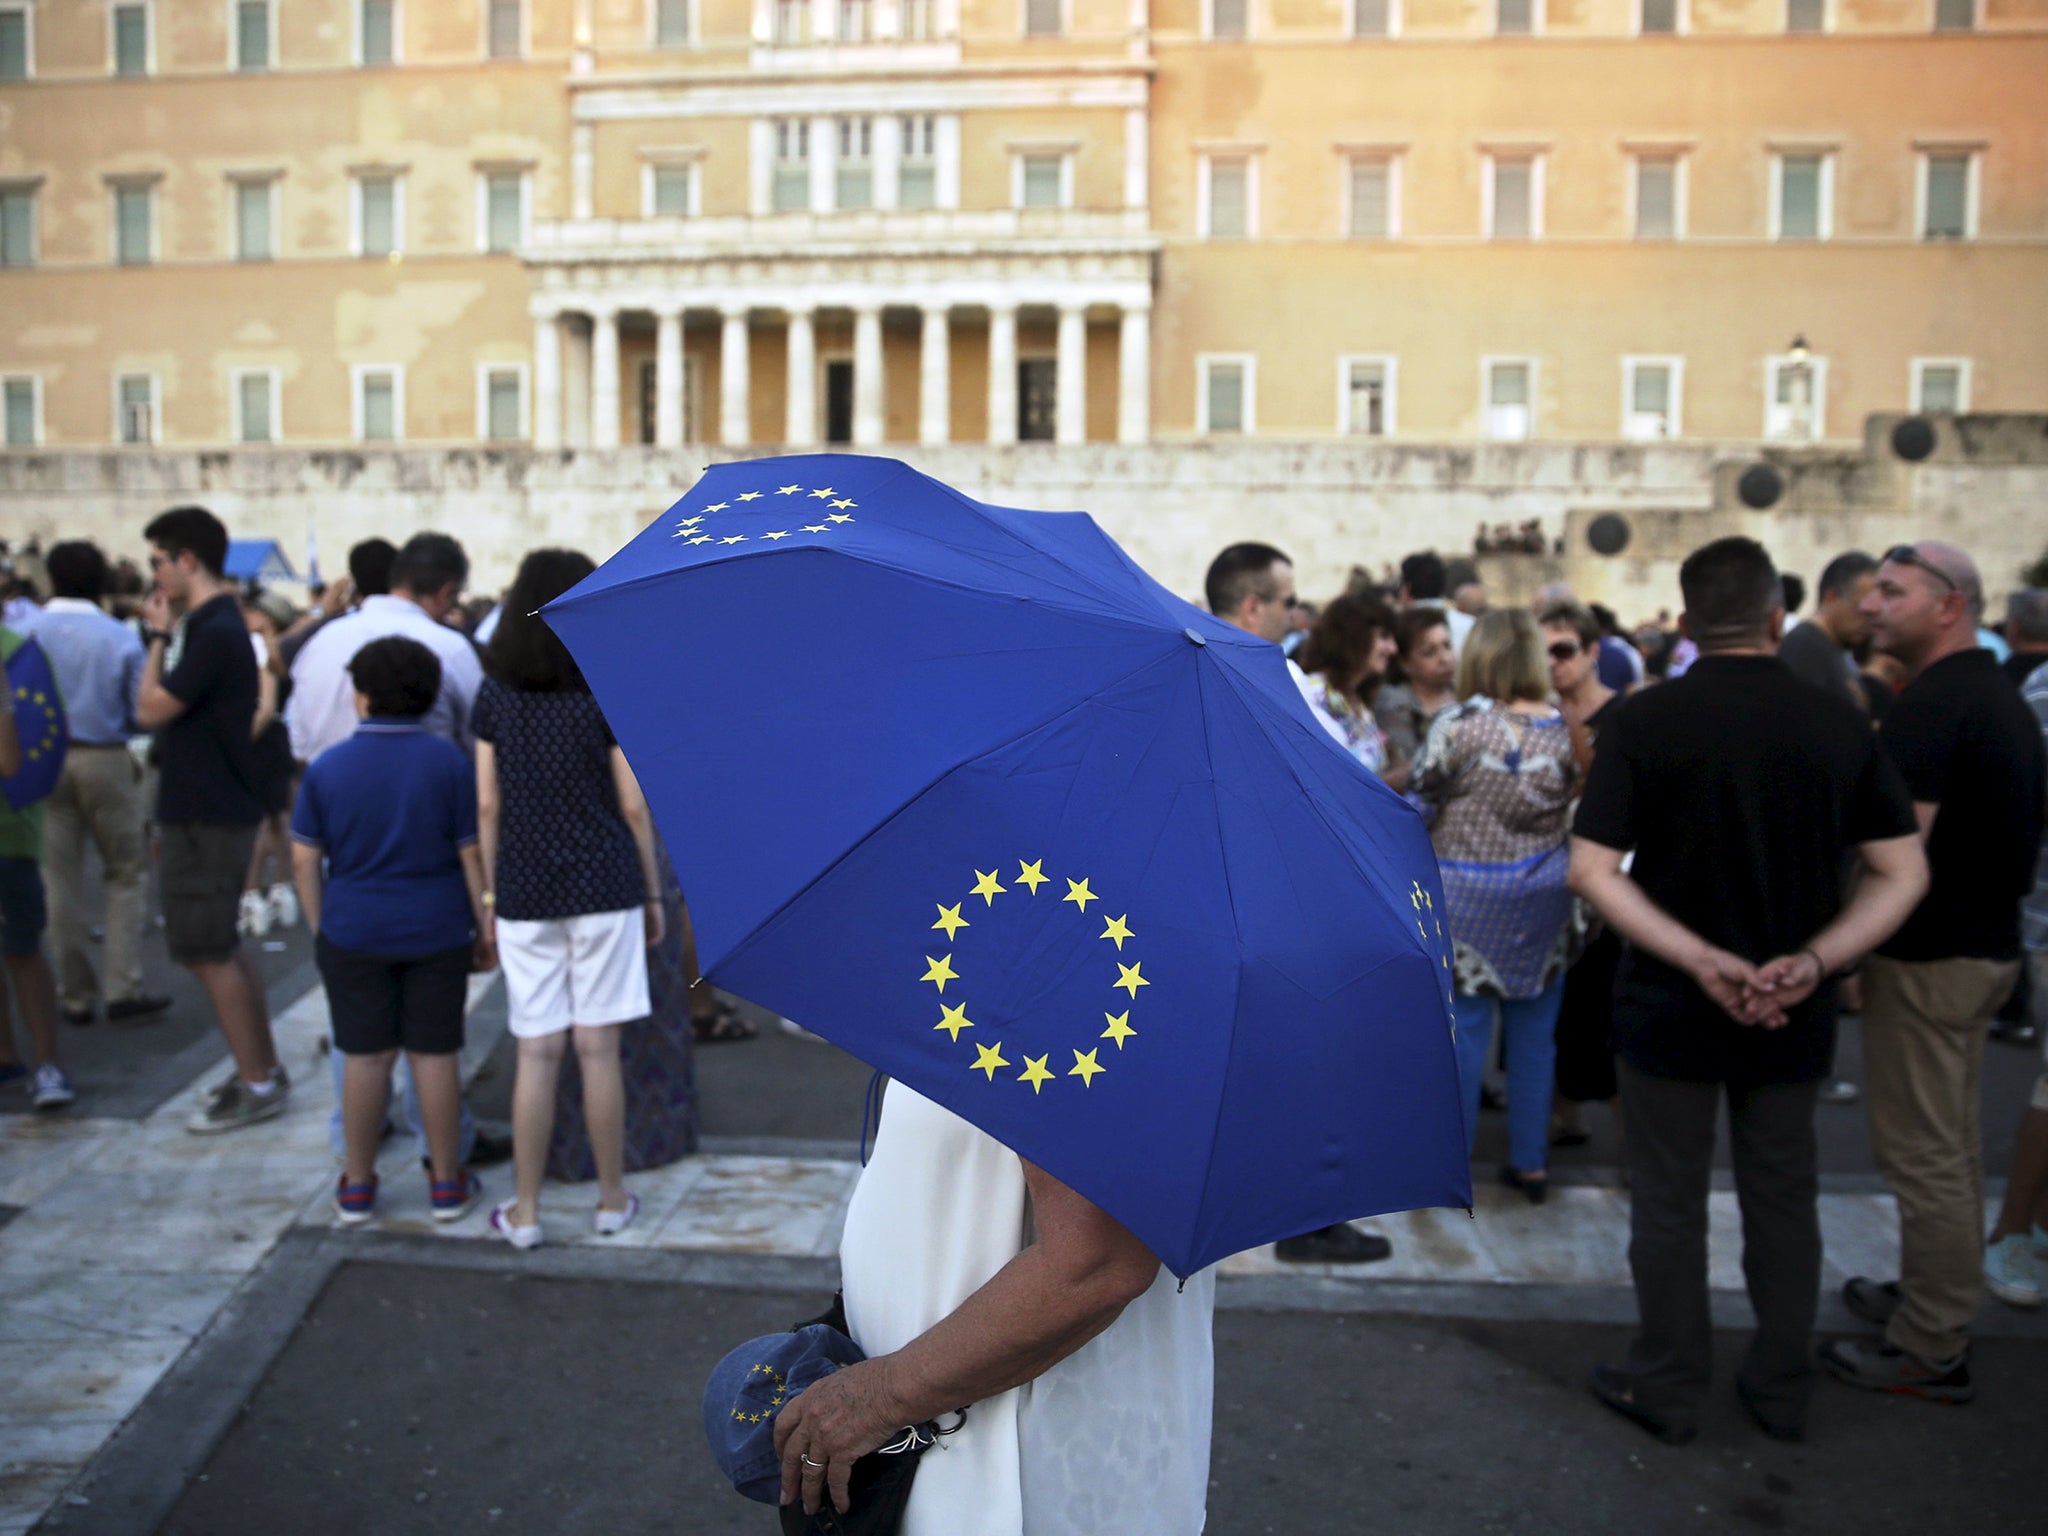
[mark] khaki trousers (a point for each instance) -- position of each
(1924, 1025)
(98, 799)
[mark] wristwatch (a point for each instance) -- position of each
(151, 636)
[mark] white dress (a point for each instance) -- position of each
(1115, 1438)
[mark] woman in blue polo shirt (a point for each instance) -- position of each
(399, 921)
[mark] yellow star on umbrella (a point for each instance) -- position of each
(940, 970)
(955, 1019)
(950, 920)
(985, 887)
(1119, 1028)
(788, 490)
(842, 504)
(716, 506)
(987, 1058)
(839, 517)
(1129, 979)
(1035, 1073)
(821, 495)
(1085, 1067)
(1119, 929)
(780, 534)
(816, 528)
(750, 495)
(1079, 894)
(736, 538)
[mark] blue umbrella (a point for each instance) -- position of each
(39, 721)
(971, 795)
(257, 560)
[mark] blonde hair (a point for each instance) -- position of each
(1502, 658)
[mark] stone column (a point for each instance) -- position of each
(1134, 377)
(604, 378)
(547, 381)
(1070, 411)
(800, 428)
(867, 375)
(733, 395)
(1002, 373)
(935, 378)
(668, 378)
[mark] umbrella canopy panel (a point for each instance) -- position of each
(258, 560)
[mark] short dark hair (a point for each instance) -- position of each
(401, 677)
(1342, 640)
(525, 653)
(1731, 590)
(1422, 574)
(194, 531)
(1239, 572)
(428, 563)
(369, 566)
(1460, 573)
(2026, 613)
(1844, 571)
(1576, 617)
(77, 569)
(1794, 588)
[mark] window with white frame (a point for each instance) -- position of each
(501, 210)
(378, 213)
(504, 29)
(671, 189)
(1375, 18)
(917, 21)
(1806, 15)
(500, 402)
(17, 42)
(671, 23)
(1224, 398)
(1795, 398)
(254, 38)
(1372, 196)
(1365, 396)
(23, 394)
(1650, 390)
(1042, 18)
(1955, 15)
(1941, 385)
(134, 222)
(379, 402)
(1514, 196)
(792, 23)
(1948, 201)
(255, 400)
(1517, 18)
(1228, 197)
(255, 218)
(1229, 19)
(135, 408)
(1660, 17)
(1802, 195)
(17, 224)
(376, 32)
(128, 46)
(917, 166)
(856, 21)
(1509, 394)
(1044, 179)
(791, 185)
(1659, 196)
(853, 168)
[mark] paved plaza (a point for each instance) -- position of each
(187, 1343)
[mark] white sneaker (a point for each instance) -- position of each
(611, 1223)
(254, 921)
(284, 906)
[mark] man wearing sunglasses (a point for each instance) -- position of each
(1972, 758)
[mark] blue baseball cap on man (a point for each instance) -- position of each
(750, 1386)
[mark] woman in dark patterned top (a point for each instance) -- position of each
(569, 865)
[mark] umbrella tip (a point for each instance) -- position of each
(1195, 635)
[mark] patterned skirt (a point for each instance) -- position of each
(1510, 923)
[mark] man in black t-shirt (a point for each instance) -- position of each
(1972, 759)
(198, 694)
(1739, 788)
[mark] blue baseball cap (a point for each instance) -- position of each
(750, 1386)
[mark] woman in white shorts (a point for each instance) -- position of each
(569, 871)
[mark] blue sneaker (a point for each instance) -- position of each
(2011, 1273)
(52, 1088)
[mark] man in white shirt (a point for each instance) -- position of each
(426, 582)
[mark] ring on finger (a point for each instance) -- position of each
(800, 1456)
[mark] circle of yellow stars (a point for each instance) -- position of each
(1420, 900)
(777, 1381)
(33, 751)
(989, 1059)
(693, 530)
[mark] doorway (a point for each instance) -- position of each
(839, 400)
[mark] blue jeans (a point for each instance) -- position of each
(408, 1111)
(1530, 1027)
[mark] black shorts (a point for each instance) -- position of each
(203, 866)
(383, 1003)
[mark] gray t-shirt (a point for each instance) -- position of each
(1816, 659)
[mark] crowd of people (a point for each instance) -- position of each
(1669, 856)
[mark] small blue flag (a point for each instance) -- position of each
(39, 721)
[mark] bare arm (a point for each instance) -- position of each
(487, 836)
(485, 957)
(306, 875)
(1924, 811)
(1042, 1306)
(266, 702)
(633, 806)
(1894, 880)
(10, 746)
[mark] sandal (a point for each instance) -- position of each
(724, 1025)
